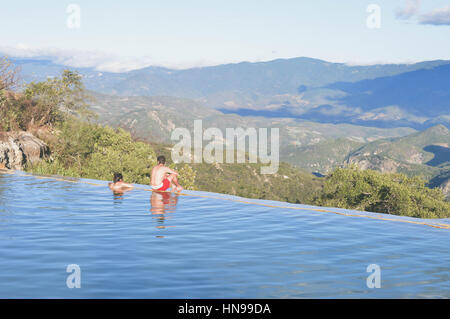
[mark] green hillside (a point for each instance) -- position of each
(425, 153)
(427, 148)
(414, 149)
(150, 118)
(316, 147)
(322, 157)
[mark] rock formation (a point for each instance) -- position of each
(19, 148)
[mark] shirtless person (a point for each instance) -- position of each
(118, 185)
(163, 177)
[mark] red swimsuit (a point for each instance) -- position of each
(165, 185)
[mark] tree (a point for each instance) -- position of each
(44, 103)
(8, 75)
(56, 98)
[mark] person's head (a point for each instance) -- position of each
(161, 159)
(117, 177)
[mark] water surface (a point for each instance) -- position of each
(139, 245)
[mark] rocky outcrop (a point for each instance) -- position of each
(379, 163)
(19, 148)
(445, 186)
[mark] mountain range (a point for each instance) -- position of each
(391, 117)
(386, 95)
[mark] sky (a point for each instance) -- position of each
(123, 35)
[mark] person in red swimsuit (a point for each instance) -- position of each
(163, 177)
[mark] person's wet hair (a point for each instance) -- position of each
(117, 177)
(161, 159)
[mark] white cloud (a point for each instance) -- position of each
(439, 16)
(410, 8)
(98, 60)
(79, 59)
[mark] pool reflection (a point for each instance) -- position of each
(162, 204)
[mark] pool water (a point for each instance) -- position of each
(146, 245)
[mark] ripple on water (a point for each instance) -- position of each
(140, 245)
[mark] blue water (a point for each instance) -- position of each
(138, 246)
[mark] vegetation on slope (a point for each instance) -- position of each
(46, 103)
(425, 154)
(384, 193)
(321, 157)
(429, 147)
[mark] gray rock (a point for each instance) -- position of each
(20, 148)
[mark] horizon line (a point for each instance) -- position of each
(65, 61)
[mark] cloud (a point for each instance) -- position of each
(410, 8)
(79, 59)
(436, 17)
(439, 16)
(100, 61)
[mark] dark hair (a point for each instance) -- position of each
(161, 159)
(117, 177)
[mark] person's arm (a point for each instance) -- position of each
(171, 171)
(127, 185)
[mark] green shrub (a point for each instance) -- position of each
(187, 175)
(383, 193)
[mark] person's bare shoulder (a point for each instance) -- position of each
(126, 185)
(155, 170)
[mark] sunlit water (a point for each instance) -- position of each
(139, 246)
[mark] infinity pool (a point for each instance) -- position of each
(144, 245)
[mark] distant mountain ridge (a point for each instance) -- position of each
(280, 76)
(388, 95)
